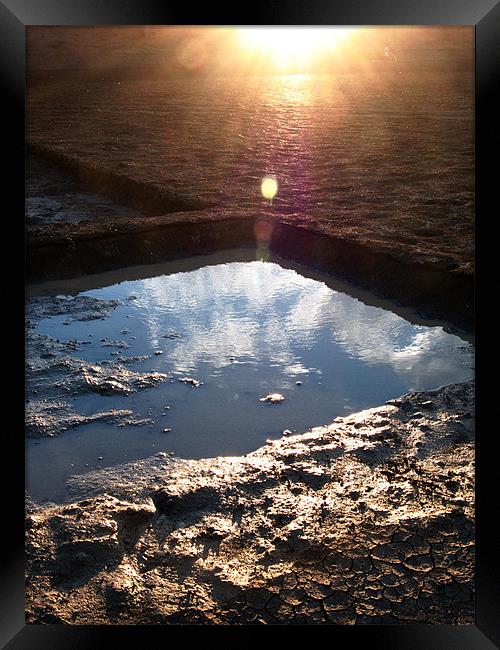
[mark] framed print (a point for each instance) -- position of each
(248, 323)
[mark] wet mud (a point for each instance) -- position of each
(54, 371)
(367, 520)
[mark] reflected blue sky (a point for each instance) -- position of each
(266, 314)
(244, 329)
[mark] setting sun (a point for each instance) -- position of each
(284, 45)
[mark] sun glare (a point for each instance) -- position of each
(285, 46)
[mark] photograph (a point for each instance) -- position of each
(249, 325)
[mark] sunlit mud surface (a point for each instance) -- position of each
(211, 362)
(367, 520)
(386, 158)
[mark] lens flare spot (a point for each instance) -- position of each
(192, 54)
(263, 232)
(269, 187)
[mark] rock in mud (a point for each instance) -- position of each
(81, 308)
(190, 380)
(273, 398)
(114, 344)
(52, 372)
(47, 418)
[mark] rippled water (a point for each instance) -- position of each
(243, 329)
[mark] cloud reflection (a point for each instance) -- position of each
(261, 313)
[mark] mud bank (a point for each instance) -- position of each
(368, 520)
(117, 239)
(148, 197)
(434, 289)
(381, 158)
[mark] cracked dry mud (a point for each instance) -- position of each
(367, 520)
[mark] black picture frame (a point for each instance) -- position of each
(15, 16)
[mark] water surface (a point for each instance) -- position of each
(242, 329)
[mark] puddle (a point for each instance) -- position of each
(226, 336)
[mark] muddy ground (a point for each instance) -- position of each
(147, 205)
(368, 520)
(383, 160)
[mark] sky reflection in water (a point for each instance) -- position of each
(244, 330)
